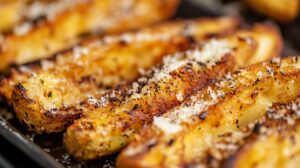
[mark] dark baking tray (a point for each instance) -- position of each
(48, 151)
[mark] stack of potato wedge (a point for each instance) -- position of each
(188, 93)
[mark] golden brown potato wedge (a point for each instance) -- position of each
(274, 141)
(106, 129)
(61, 24)
(282, 10)
(188, 134)
(45, 93)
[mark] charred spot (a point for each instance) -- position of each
(113, 99)
(126, 125)
(190, 39)
(209, 159)
(211, 35)
(49, 94)
(135, 107)
(252, 95)
(131, 112)
(123, 42)
(237, 123)
(51, 112)
(123, 95)
(37, 20)
(42, 81)
(282, 73)
(170, 142)
(256, 81)
(203, 115)
(156, 87)
(256, 128)
(151, 145)
(20, 87)
(200, 63)
(84, 35)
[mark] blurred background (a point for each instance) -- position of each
(283, 13)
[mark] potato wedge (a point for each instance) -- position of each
(275, 140)
(282, 10)
(47, 91)
(187, 134)
(106, 129)
(61, 24)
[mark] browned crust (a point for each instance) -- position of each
(179, 40)
(120, 120)
(216, 115)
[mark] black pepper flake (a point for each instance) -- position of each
(21, 87)
(237, 123)
(282, 73)
(151, 145)
(113, 99)
(135, 107)
(49, 94)
(203, 115)
(256, 128)
(171, 142)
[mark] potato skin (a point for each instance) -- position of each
(105, 130)
(48, 36)
(248, 93)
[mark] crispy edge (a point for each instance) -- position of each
(215, 120)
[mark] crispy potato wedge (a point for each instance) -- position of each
(274, 141)
(62, 23)
(105, 129)
(45, 93)
(187, 135)
(282, 10)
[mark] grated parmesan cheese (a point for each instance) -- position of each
(49, 10)
(22, 29)
(260, 74)
(46, 65)
(179, 96)
(78, 51)
(209, 55)
(170, 122)
(166, 125)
